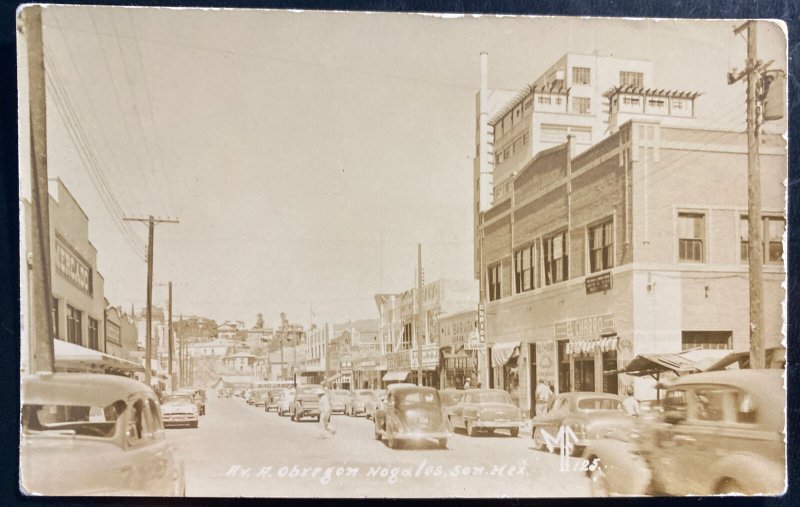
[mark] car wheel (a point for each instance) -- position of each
(442, 443)
(195, 424)
(318, 417)
(598, 481)
(514, 432)
(469, 428)
(377, 433)
(392, 441)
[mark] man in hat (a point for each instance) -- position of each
(325, 411)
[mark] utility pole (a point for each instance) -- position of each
(753, 72)
(181, 362)
(42, 356)
(171, 378)
(419, 312)
(151, 222)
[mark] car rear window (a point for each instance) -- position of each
(599, 404)
(418, 397)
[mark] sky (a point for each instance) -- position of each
(306, 154)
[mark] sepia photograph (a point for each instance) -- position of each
(273, 253)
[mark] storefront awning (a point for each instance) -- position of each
(503, 352)
(680, 363)
(72, 356)
(396, 376)
(590, 346)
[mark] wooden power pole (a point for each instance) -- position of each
(753, 72)
(43, 356)
(148, 349)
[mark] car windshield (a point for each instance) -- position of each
(176, 398)
(91, 421)
(418, 397)
(490, 397)
(599, 404)
(309, 390)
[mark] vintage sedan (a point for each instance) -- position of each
(306, 402)
(357, 404)
(285, 402)
(585, 415)
(339, 398)
(487, 410)
(372, 405)
(198, 396)
(179, 409)
(273, 397)
(259, 397)
(719, 432)
(94, 434)
(411, 413)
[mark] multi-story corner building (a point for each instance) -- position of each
(315, 365)
(636, 245)
(567, 99)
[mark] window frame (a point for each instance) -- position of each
(578, 75)
(494, 276)
(637, 77)
(606, 228)
(766, 218)
(74, 325)
(551, 263)
(702, 239)
(579, 102)
(520, 272)
(93, 333)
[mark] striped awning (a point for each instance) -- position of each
(606, 344)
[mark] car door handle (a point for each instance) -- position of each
(686, 439)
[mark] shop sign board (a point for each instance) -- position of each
(430, 357)
(599, 283)
(112, 333)
(72, 268)
(546, 361)
(584, 327)
(474, 342)
(399, 360)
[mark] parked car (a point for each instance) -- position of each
(179, 409)
(306, 402)
(719, 432)
(411, 413)
(285, 402)
(357, 404)
(372, 405)
(588, 415)
(339, 399)
(450, 398)
(94, 434)
(485, 410)
(224, 393)
(259, 397)
(273, 396)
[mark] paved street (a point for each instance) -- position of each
(240, 450)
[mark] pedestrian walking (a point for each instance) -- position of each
(543, 397)
(325, 412)
(630, 404)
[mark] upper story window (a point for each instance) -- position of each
(601, 247)
(524, 269)
(74, 325)
(556, 258)
(581, 75)
(691, 237)
(543, 99)
(94, 334)
(493, 275)
(635, 79)
(581, 105)
(771, 236)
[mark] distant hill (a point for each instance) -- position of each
(362, 326)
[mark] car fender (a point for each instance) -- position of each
(627, 473)
(757, 474)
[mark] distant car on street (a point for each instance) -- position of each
(224, 393)
(719, 432)
(411, 413)
(94, 434)
(198, 396)
(589, 415)
(339, 399)
(372, 405)
(306, 402)
(259, 397)
(485, 410)
(357, 404)
(285, 402)
(273, 396)
(179, 409)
